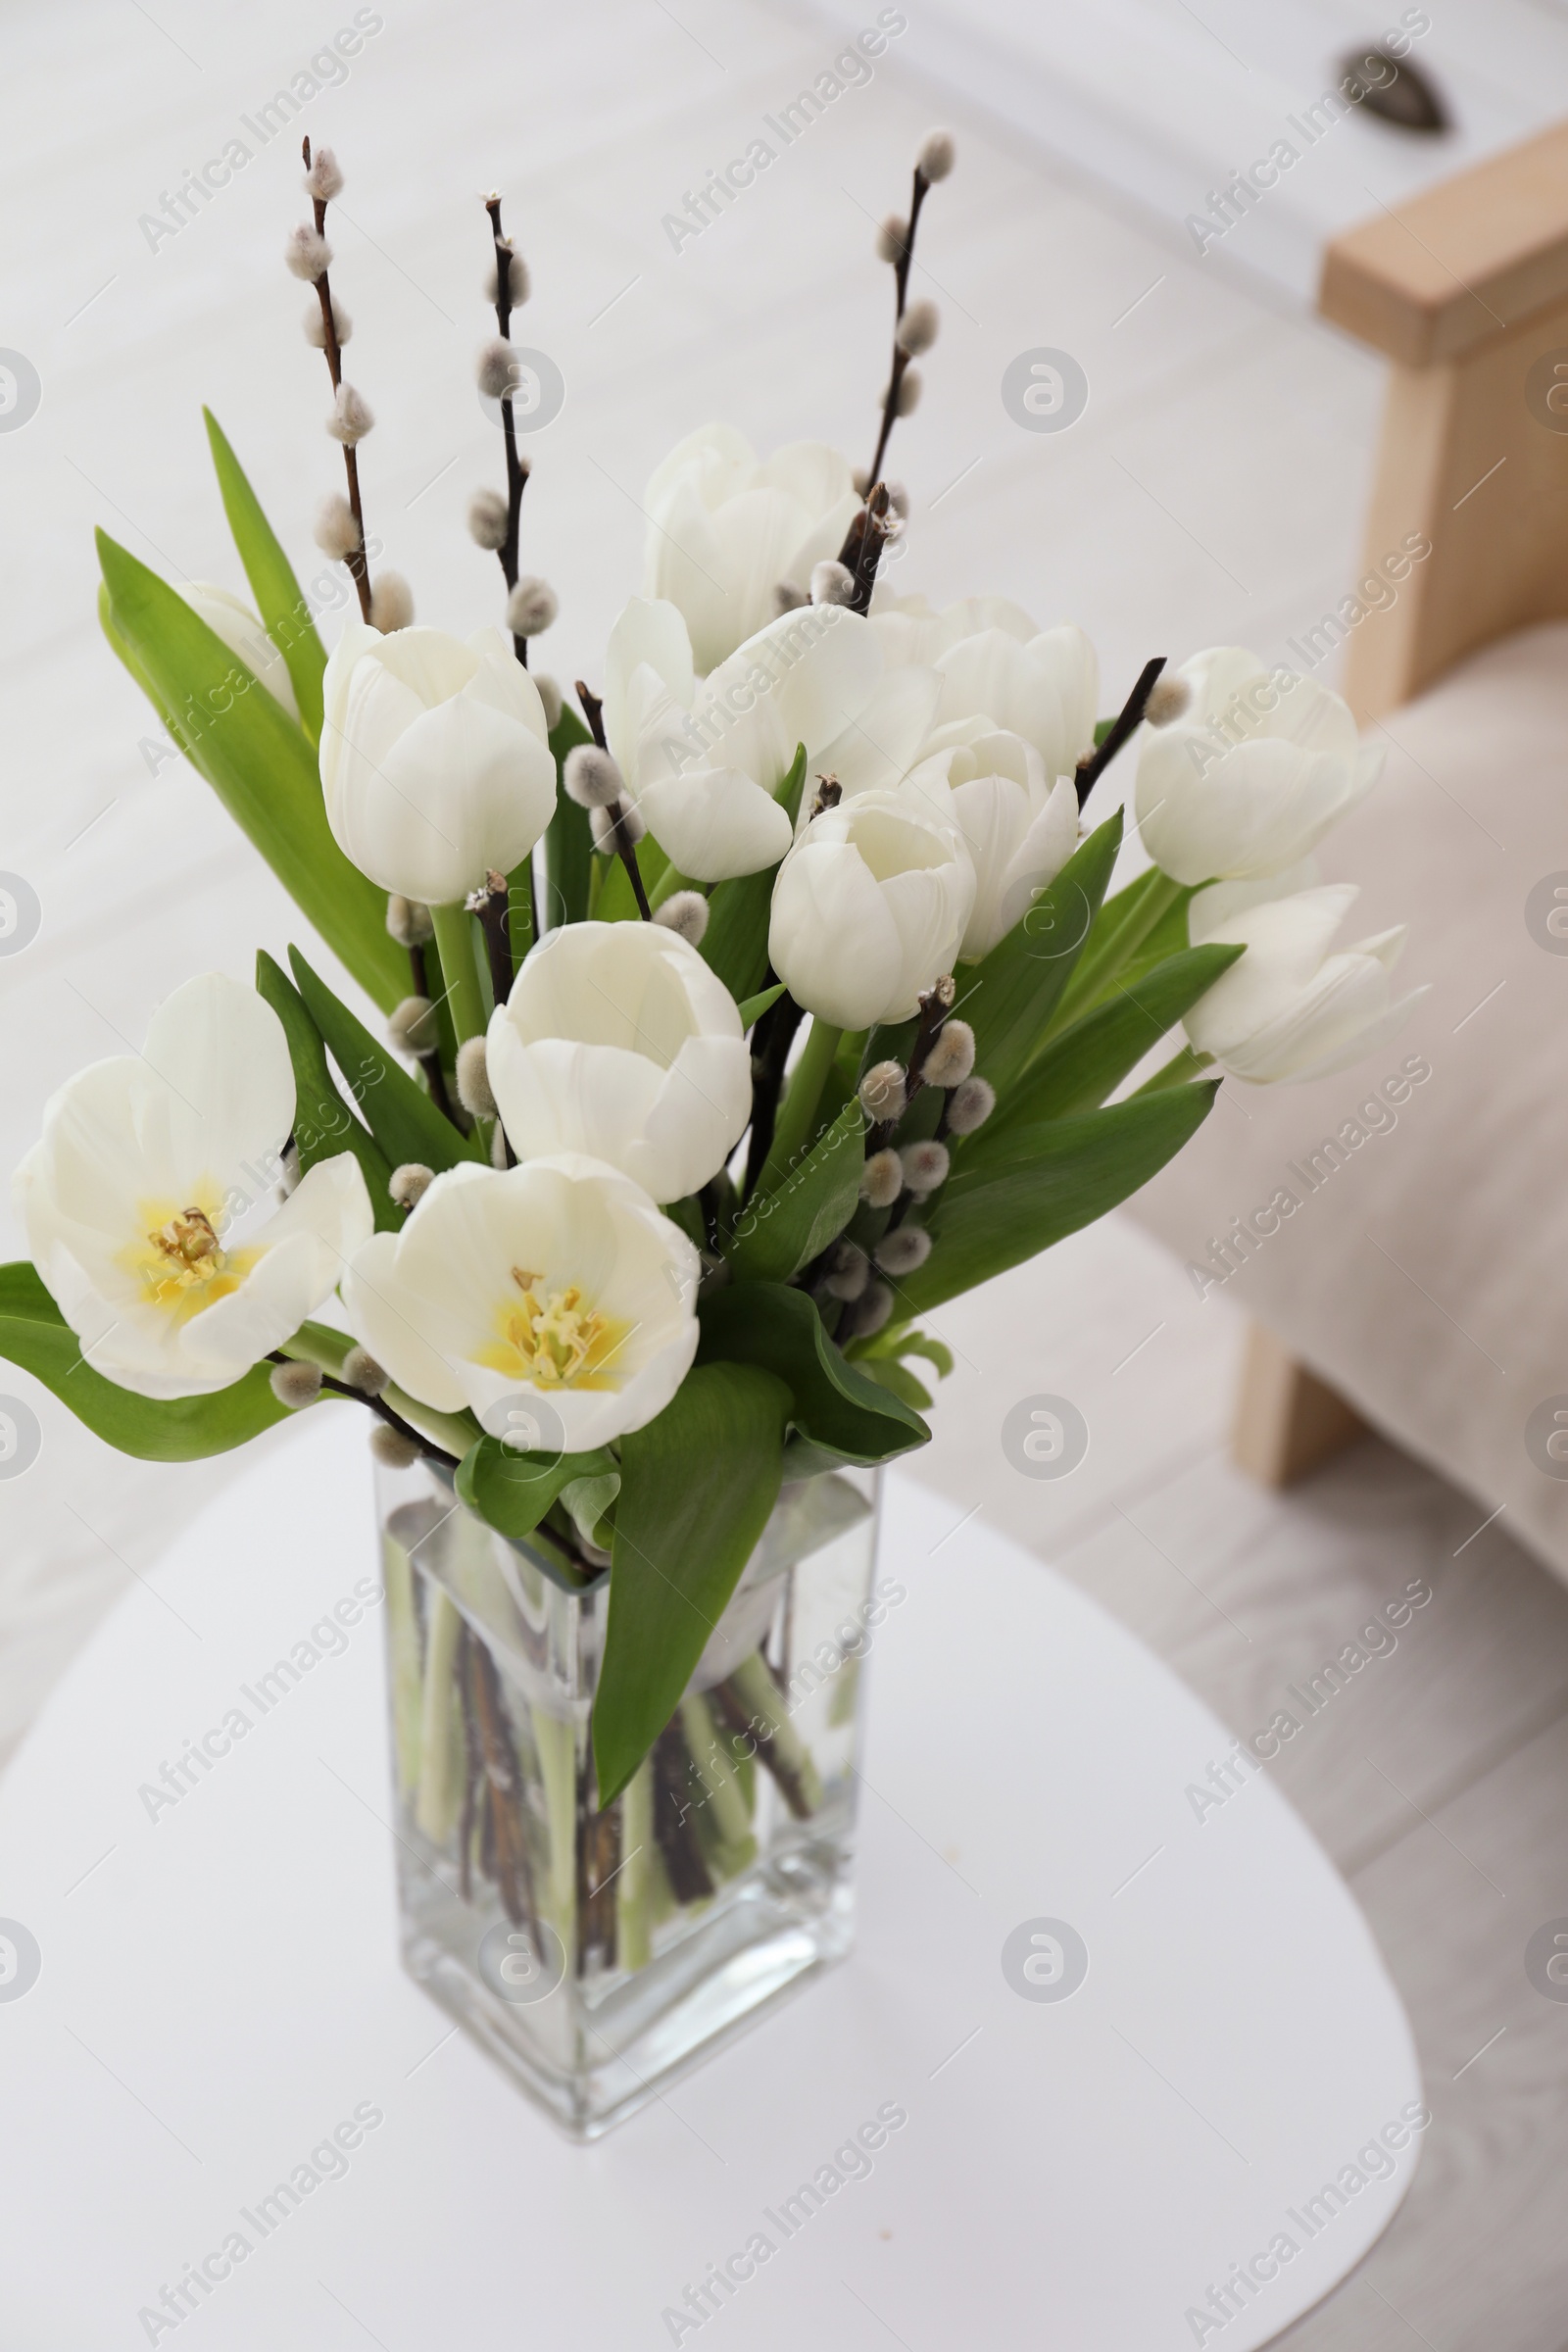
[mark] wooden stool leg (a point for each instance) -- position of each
(1286, 1419)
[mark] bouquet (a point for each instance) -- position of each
(734, 1020)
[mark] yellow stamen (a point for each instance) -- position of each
(553, 1342)
(181, 1262)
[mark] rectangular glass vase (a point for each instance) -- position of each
(598, 1954)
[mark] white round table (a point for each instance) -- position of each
(219, 2009)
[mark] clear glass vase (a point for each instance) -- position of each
(596, 1954)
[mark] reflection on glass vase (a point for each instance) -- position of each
(596, 1954)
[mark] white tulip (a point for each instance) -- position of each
(870, 907)
(1019, 825)
(435, 759)
(136, 1202)
(911, 630)
(725, 530)
(703, 764)
(1288, 1010)
(231, 620)
(1042, 684)
(1255, 771)
(552, 1300)
(618, 1042)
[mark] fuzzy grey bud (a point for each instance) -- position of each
(296, 1385)
(685, 911)
(884, 1090)
(315, 325)
(362, 1371)
(616, 831)
(496, 369)
(391, 603)
(917, 328)
(951, 1055)
(903, 1250)
(409, 920)
(351, 419)
(308, 253)
(787, 598)
(898, 499)
(910, 384)
(337, 534)
(1168, 699)
(391, 1448)
(832, 583)
(971, 1105)
(519, 286)
(937, 155)
(325, 178)
(925, 1166)
(591, 777)
(848, 1273)
(488, 519)
(549, 694)
(531, 608)
(892, 237)
(871, 1310)
(411, 1026)
(882, 1179)
(473, 1080)
(408, 1184)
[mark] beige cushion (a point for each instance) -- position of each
(1426, 1275)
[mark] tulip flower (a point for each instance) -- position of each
(231, 620)
(553, 1299)
(435, 759)
(139, 1199)
(1253, 773)
(870, 907)
(1020, 826)
(725, 531)
(992, 662)
(618, 1042)
(703, 764)
(1289, 1010)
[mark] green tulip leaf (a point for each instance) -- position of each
(283, 609)
(400, 1114)
(779, 1232)
(697, 1485)
(1087, 1061)
(1010, 997)
(35, 1336)
(513, 1491)
(1044, 1182)
(257, 760)
(569, 839)
(835, 1406)
(323, 1124)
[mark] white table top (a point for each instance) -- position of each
(219, 1988)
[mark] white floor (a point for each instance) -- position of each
(1210, 493)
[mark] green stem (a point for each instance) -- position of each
(403, 1626)
(454, 939)
(634, 1889)
(1180, 1068)
(521, 913)
(669, 881)
(798, 1112)
(1103, 958)
(440, 1791)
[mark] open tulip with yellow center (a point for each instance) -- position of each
(141, 1201)
(553, 1299)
